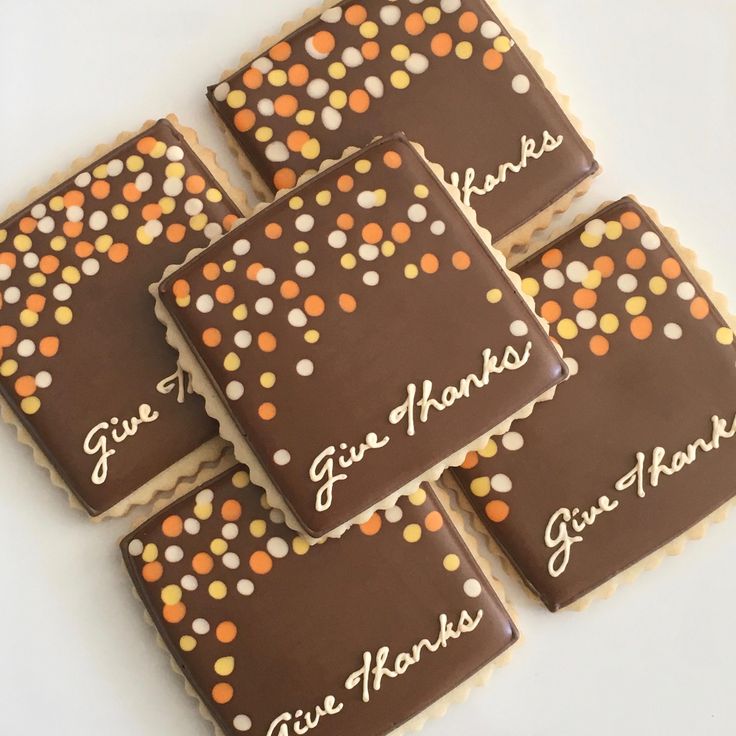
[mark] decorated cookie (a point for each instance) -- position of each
(356, 636)
(356, 333)
(640, 444)
(447, 73)
(85, 372)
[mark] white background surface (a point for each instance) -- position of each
(655, 83)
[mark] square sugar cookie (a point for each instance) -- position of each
(450, 74)
(357, 636)
(639, 446)
(354, 335)
(85, 372)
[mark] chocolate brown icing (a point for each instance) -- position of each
(654, 390)
(467, 112)
(427, 318)
(112, 355)
(298, 629)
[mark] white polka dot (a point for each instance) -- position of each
(390, 15)
(229, 530)
(12, 293)
(472, 588)
(277, 547)
(450, 6)
(231, 561)
(573, 366)
(366, 200)
(305, 367)
(84, 179)
(30, 260)
(173, 153)
(90, 266)
(43, 379)
(205, 496)
(371, 278)
(189, 582)
(672, 331)
(277, 152)
(234, 390)
(221, 92)
(212, 230)
(437, 227)
(305, 269)
(501, 483)
(5, 272)
(374, 87)
(489, 29)
(46, 225)
(144, 181)
(627, 283)
(297, 318)
(174, 553)
(576, 271)
(115, 167)
(518, 328)
(554, 279)
(200, 626)
(417, 64)
(26, 348)
(304, 223)
(61, 292)
(686, 291)
(596, 227)
(352, 57)
(74, 214)
(241, 247)
(368, 252)
(154, 228)
(242, 339)
(242, 722)
(135, 548)
(38, 210)
(173, 187)
(512, 441)
(192, 526)
(245, 587)
(394, 515)
(331, 118)
(193, 206)
(264, 306)
(317, 89)
(266, 277)
(417, 213)
(263, 64)
(205, 303)
(332, 15)
(282, 457)
(650, 240)
(586, 319)
(520, 84)
(266, 107)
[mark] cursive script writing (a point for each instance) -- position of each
(300, 722)
(179, 380)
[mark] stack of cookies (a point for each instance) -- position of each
(310, 381)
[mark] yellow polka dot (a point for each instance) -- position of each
(100, 172)
(103, 243)
(614, 230)
(636, 305)
(58, 243)
(63, 315)
(609, 323)
(400, 52)
(30, 405)
(28, 318)
(203, 511)
(167, 205)
(480, 487)
(388, 248)
(8, 368)
(301, 247)
(264, 134)
(567, 329)
(175, 170)
(411, 271)
(218, 547)
(268, 379)
(22, 242)
(432, 15)
(593, 280)
(400, 79)
(231, 362)
(3, 236)
(224, 666)
(134, 163)
(198, 222)
(241, 479)
(305, 117)
(421, 191)
(494, 296)
(363, 166)
(380, 195)
(217, 590)
(278, 77)
(144, 238)
(657, 285)
(240, 312)
(56, 204)
(300, 546)
(338, 99)
(158, 150)
(413, 533)
(150, 553)
(187, 643)
(119, 212)
(37, 279)
(337, 70)
(257, 528)
(348, 262)
(236, 98)
(323, 198)
(530, 286)
(229, 266)
(451, 563)
(311, 149)
(418, 497)
(590, 240)
(490, 450)
(368, 29)
(71, 275)
(296, 203)
(213, 195)
(725, 336)
(464, 50)
(171, 595)
(311, 336)
(502, 44)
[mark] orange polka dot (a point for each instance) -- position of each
(72, 229)
(345, 183)
(260, 562)
(298, 75)
(497, 511)
(392, 159)
(552, 258)
(152, 571)
(345, 221)
(202, 563)
(100, 189)
(266, 342)
(83, 249)
(226, 631)
(429, 263)
(284, 178)
(175, 232)
(605, 265)
(401, 232)
(74, 198)
(195, 184)
(212, 337)
(36, 303)
(27, 225)
(229, 220)
(372, 233)
(224, 293)
(180, 288)
(253, 270)
(25, 386)
(145, 145)
(151, 212)
(461, 260)
(492, 60)
(599, 345)
(231, 510)
(471, 460)
(118, 252)
(372, 526)
(267, 411)
(434, 521)
(273, 231)
(222, 693)
(290, 290)
(551, 311)
(172, 526)
(630, 220)
(49, 346)
(585, 299)
(252, 78)
(131, 193)
(699, 308)
(323, 42)
(359, 101)
(641, 327)
(415, 24)
(286, 105)
(281, 51)
(314, 305)
(8, 259)
(244, 120)
(636, 259)
(175, 613)
(442, 44)
(347, 303)
(671, 268)
(355, 15)
(8, 336)
(468, 22)
(370, 50)
(296, 140)
(49, 264)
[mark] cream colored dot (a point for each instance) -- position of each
(472, 588)
(257, 528)
(490, 450)
(512, 441)
(725, 336)
(187, 643)
(672, 331)
(451, 563)
(494, 296)
(413, 533)
(348, 261)
(480, 486)
(300, 546)
(658, 285)
(520, 84)
(240, 479)
(418, 498)
(411, 271)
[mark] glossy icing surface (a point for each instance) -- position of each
(83, 360)
(360, 332)
(273, 634)
(448, 74)
(640, 444)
